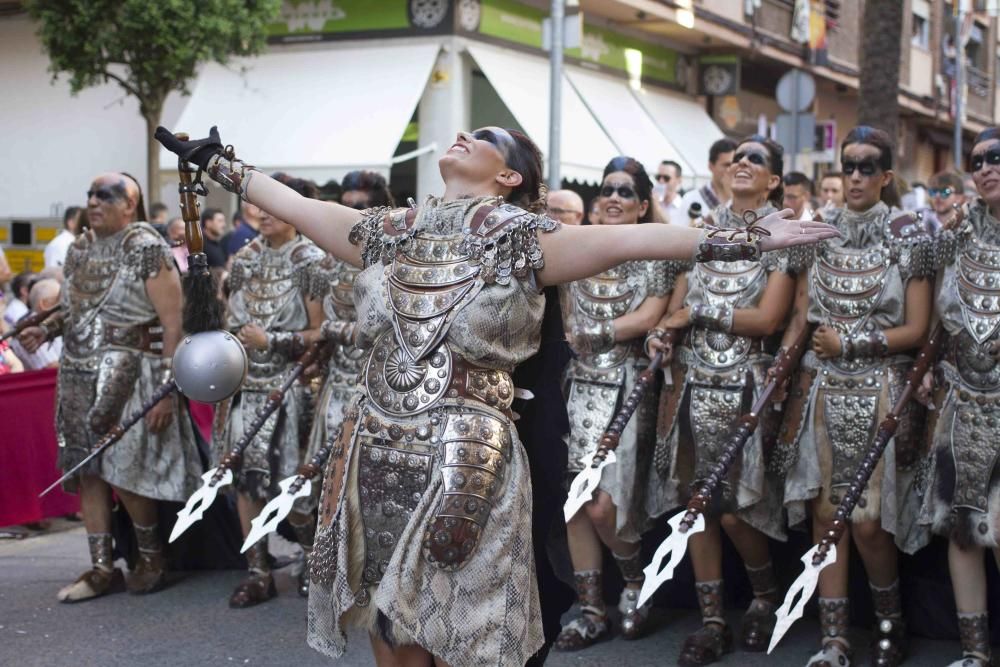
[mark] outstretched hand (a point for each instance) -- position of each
(195, 151)
(785, 232)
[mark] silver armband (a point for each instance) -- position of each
(232, 174)
(713, 318)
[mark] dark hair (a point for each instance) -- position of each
(675, 165)
(948, 179)
(304, 187)
(331, 191)
(798, 178)
(776, 164)
(71, 213)
(208, 214)
(21, 281)
(643, 186)
(831, 174)
(156, 208)
(140, 205)
(989, 134)
(724, 145)
(526, 159)
(371, 183)
(880, 139)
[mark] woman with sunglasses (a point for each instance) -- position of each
(605, 317)
(868, 295)
(962, 502)
(424, 534)
(331, 281)
(727, 309)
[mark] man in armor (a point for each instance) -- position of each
(120, 322)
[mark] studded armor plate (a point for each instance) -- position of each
(976, 429)
(398, 385)
(849, 418)
(724, 284)
(979, 289)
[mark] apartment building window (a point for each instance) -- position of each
(921, 32)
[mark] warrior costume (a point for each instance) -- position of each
(112, 363)
(268, 287)
(962, 501)
(715, 377)
(425, 533)
(857, 286)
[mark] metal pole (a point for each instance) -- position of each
(795, 119)
(959, 84)
(555, 92)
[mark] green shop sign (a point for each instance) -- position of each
(307, 20)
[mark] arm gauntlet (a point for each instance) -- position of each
(232, 174)
(338, 331)
(863, 345)
(727, 245)
(713, 318)
(286, 343)
(594, 338)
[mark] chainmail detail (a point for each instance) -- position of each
(663, 275)
(100, 551)
(710, 601)
(148, 538)
(762, 580)
(974, 634)
(631, 566)
(887, 601)
(146, 256)
(833, 620)
(367, 233)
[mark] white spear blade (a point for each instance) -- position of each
(199, 501)
(276, 510)
(673, 548)
(585, 483)
(806, 585)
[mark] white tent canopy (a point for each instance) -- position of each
(348, 113)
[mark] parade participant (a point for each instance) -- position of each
(333, 283)
(605, 317)
(716, 192)
(962, 500)
(869, 295)
(424, 535)
(717, 373)
(274, 313)
(120, 323)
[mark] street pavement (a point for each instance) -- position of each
(190, 623)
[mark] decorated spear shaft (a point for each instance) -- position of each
(116, 433)
(32, 320)
(671, 551)
(583, 485)
(825, 552)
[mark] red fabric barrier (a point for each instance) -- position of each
(28, 450)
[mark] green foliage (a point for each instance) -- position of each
(150, 47)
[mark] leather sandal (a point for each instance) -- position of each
(889, 643)
(707, 645)
(93, 584)
(149, 575)
(634, 617)
(758, 626)
(831, 655)
(252, 591)
(582, 632)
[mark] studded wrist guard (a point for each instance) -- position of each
(713, 318)
(287, 343)
(863, 345)
(594, 338)
(232, 174)
(728, 245)
(337, 331)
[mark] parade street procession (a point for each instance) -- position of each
(534, 343)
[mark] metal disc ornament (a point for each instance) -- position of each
(210, 366)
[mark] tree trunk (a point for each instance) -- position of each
(152, 155)
(881, 45)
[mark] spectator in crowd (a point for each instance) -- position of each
(566, 206)
(213, 226)
(175, 239)
(158, 217)
(594, 213)
(363, 189)
(44, 294)
(9, 363)
(945, 194)
(331, 191)
(17, 307)
(668, 184)
(715, 193)
(831, 189)
(5, 273)
(56, 249)
(798, 195)
(245, 226)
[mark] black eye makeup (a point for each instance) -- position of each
(989, 157)
(624, 191)
(753, 157)
(865, 167)
(107, 193)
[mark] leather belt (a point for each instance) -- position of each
(493, 387)
(143, 337)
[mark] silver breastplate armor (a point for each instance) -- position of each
(606, 297)
(269, 288)
(724, 284)
(979, 297)
(848, 284)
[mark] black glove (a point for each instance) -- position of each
(197, 151)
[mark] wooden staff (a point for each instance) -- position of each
(28, 321)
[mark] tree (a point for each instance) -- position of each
(881, 49)
(148, 47)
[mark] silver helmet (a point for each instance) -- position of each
(210, 366)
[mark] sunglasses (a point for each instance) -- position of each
(990, 157)
(944, 193)
(624, 191)
(555, 210)
(753, 157)
(106, 194)
(663, 178)
(865, 167)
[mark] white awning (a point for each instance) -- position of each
(685, 123)
(522, 81)
(314, 114)
(631, 129)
